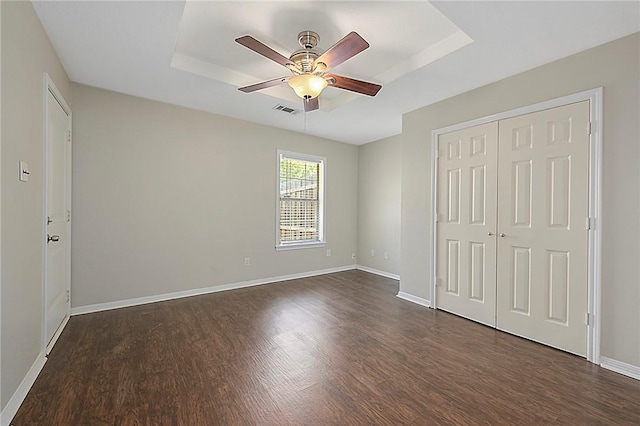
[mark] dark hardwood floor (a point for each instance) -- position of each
(336, 349)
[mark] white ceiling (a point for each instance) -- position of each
(183, 53)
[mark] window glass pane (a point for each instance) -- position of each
(298, 220)
(298, 179)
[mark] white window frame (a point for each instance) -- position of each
(321, 242)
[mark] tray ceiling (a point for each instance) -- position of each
(183, 52)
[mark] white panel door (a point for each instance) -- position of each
(466, 241)
(57, 275)
(543, 207)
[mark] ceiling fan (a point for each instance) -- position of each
(309, 68)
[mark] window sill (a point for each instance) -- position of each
(298, 246)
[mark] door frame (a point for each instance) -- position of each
(49, 86)
(594, 242)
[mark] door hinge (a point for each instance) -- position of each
(68, 295)
(69, 136)
(591, 223)
(587, 318)
(588, 128)
(68, 215)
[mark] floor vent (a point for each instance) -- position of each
(286, 109)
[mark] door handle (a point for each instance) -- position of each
(490, 234)
(54, 238)
(502, 234)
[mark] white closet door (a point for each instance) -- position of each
(466, 241)
(543, 204)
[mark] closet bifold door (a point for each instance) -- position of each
(466, 228)
(543, 196)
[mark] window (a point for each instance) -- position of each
(300, 216)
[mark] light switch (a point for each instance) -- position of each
(24, 172)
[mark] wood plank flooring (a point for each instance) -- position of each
(335, 349)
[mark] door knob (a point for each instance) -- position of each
(490, 234)
(54, 238)
(502, 234)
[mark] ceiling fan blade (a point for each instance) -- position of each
(311, 104)
(349, 46)
(263, 85)
(263, 49)
(353, 85)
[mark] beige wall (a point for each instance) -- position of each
(379, 189)
(169, 199)
(26, 55)
(614, 66)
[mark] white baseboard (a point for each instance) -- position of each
(630, 370)
(86, 309)
(20, 394)
(378, 272)
(415, 299)
(56, 335)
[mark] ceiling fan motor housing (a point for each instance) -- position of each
(305, 58)
(308, 39)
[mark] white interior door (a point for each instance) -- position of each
(466, 241)
(58, 205)
(543, 195)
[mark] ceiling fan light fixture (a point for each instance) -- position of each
(307, 86)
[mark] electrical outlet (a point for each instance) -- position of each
(373, 253)
(328, 252)
(353, 255)
(247, 261)
(386, 255)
